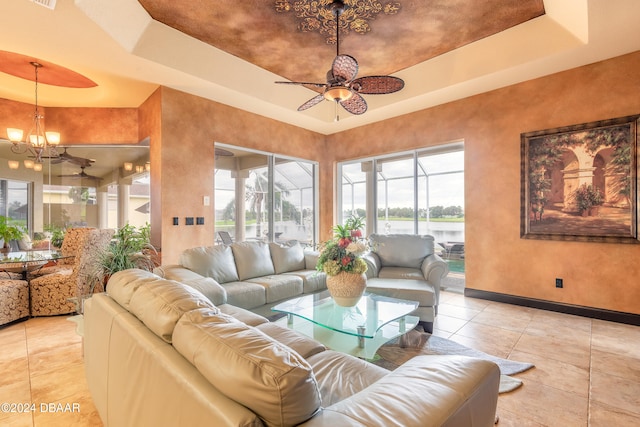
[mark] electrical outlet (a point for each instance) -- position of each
(188, 220)
(559, 283)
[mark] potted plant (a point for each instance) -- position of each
(9, 232)
(131, 248)
(341, 259)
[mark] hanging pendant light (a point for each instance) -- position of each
(38, 142)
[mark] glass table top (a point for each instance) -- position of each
(30, 256)
(364, 319)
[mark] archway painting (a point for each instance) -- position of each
(580, 182)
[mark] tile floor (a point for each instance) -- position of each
(587, 371)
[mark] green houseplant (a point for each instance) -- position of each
(130, 248)
(9, 232)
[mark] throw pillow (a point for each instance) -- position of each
(287, 258)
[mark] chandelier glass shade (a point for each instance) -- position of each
(38, 142)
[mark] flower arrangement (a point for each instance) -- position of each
(344, 252)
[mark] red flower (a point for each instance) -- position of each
(346, 260)
(344, 242)
(356, 233)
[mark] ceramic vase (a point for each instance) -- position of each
(346, 289)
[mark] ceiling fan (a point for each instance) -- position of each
(66, 157)
(342, 86)
(82, 174)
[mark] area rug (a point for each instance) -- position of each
(391, 355)
(79, 321)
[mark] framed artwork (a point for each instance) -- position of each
(580, 183)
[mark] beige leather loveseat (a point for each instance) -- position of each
(252, 275)
(405, 266)
(159, 353)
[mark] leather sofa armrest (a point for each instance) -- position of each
(373, 264)
(434, 269)
(426, 391)
(215, 292)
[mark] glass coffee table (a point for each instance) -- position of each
(359, 330)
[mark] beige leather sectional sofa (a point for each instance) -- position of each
(252, 275)
(257, 275)
(160, 353)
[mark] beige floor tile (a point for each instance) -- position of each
(462, 301)
(561, 350)
(616, 392)
(14, 370)
(606, 416)
(545, 405)
(457, 311)
(554, 373)
(46, 361)
(561, 332)
(616, 338)
(511, 419)
(489, 339)
(503, 320)
(449, 324)
(616, 364)
(43, 338)
(493, 339)
(58, 385)
(17, 393)
(552, 319)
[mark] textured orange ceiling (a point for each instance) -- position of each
(421, 29)
(20, 66)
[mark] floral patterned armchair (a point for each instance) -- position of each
(55, 293)
(73, 239)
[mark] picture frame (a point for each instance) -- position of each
(580, 182)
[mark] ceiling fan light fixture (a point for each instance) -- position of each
(338, 93)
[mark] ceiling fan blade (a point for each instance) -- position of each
(344, 68)
(355, 105)
(377, 85)
(303, 83)
(310, 103)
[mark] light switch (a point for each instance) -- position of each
(206, 201)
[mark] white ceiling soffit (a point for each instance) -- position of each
(571, 33)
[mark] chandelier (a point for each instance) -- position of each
(38, 143)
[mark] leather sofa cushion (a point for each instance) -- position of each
(401, 250)
(249, 367)
(123, 284)
(300, 343)
(160, 304)
(287, 258)
(209, 288)
(252, 259)
(212, 261)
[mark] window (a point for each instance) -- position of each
(14, 201)
(84, 186)
(261, 196)
(417, 192)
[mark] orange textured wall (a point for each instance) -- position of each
(190, 126)
(76, 125)
(595, 274)
(150, 126)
